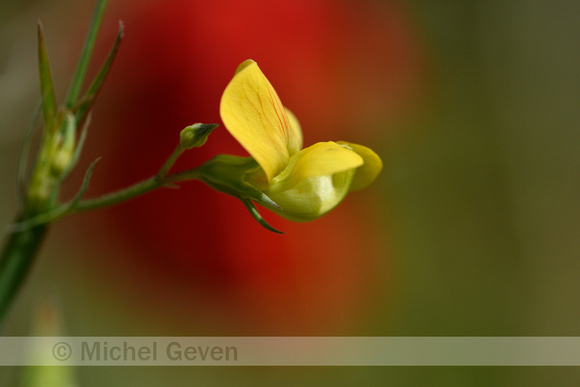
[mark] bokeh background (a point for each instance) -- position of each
(471, 229)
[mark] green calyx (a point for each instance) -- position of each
(229, 174)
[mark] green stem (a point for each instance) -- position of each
(170, 161)
(134, 191)
(76, 205)
(118, 196)
(83, 63)
(190, 174)
(15, 262)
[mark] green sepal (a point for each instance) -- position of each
(88, 99)
(256, 215)
(49, 104)
(227, 173)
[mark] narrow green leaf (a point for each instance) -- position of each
(256, 215)
(49, 104)
(89, 98)
(83, 63)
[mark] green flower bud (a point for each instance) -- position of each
(56, 155)
(195, 135)
(64, 145)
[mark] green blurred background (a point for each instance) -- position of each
(471, 230)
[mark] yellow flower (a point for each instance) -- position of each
(304, 183)
(298, 184)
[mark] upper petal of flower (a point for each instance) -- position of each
(252, 112)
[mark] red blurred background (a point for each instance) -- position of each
(347, 69)
(471, 229)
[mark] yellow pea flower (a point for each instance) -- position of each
(298, 184)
